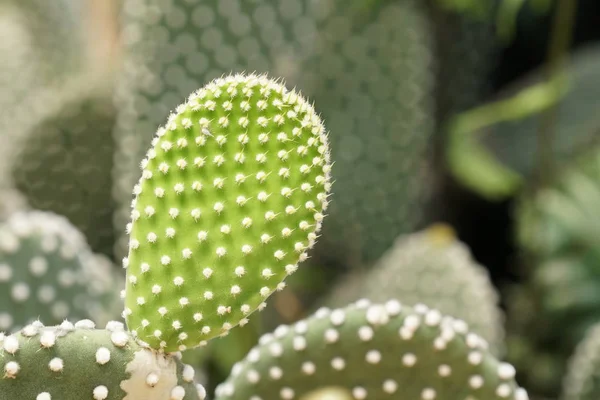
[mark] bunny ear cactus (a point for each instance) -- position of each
(48, 271)
(69, 155)
(78, 361)
(431, 267)
(232, 196)
(375, 351)
(371, 73)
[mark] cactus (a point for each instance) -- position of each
(374, 351)
(43, 45)
(48, 271)
(69, 155)
(11, 201)
(581, 381)
(231, 197)
(431, 267)
(78, 361)
(370, 75)
(559, 237)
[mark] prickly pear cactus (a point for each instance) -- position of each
(559, 236)
(370, 75)
(69, 156)
(48, 271)
(581, 381)
(374, 351)
(43, 43)
(232, 195)
(431, 267)
(78, 361)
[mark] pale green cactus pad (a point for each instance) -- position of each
(582, 381)
(47, 270)
(376, 351)
(435, 268)
(232, 195)
(78, 361)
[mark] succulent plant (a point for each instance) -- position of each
(47, 271)
(373, 351)
(559, 238)
(231, 197)
(77, 361)
(370, 75)
(431, 267)
(69, 155)
(581, 381)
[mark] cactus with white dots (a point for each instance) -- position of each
(374, 351)
(48, 271)
(77, 361)
(371, 75)
(231, 198)
(435, 268)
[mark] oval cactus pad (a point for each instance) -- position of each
(232, 196)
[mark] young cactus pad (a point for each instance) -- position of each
(232, 195)
(77, 361)
(377, 351)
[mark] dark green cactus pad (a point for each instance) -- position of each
(78, 361)
(47, 270)
(65, 166)
(430, 267)
(376, 351)
(232, 195)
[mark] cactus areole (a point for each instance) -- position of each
(232, 196)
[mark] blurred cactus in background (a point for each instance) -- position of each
(430, 267)
(72, 156)
(47, 271)
(299, 199)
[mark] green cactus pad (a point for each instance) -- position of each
(581, 381)
(48, 271)
(77, 361)
(431, 267)
(370, 73)
(68, 155)
(231, 197)
(376, 351)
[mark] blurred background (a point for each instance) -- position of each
(465, 135)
